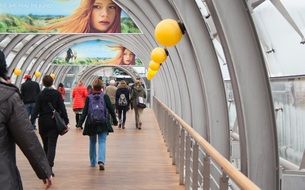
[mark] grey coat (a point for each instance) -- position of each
(15, 128)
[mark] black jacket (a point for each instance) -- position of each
(42, 108)
(15, 128)
(29, 91)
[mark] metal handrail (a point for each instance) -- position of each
(239, 178)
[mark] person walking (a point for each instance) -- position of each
(79, 95)
(15, 128)
(110, 91)
(122, 102)
(48, 99)
(98, 125)
(61, 90)
(29, 93)
(136, 92)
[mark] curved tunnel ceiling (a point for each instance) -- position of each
(190, 82)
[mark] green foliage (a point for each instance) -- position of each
(128, 26)
(138, 62)
(3, 26)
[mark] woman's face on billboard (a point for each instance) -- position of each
(128, 57)
(103, 15)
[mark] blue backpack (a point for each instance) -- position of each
(97, 111)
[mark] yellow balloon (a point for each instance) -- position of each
(158, 55)
(151, 72)
(148, 77)
(17, 71)
(37, 74)
(168, 32)
(52, 75)
(154, 66)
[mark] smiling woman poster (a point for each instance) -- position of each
(64, 16)
(96, 52)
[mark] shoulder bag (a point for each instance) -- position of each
(60, 123)
(141, 102)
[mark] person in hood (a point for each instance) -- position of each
(136, 92)
(16, 128)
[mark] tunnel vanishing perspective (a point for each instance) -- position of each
(232, 71)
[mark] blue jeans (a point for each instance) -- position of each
(101, 148)
(30, 109)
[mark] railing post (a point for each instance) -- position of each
(188, 161)
(166, 130)
(206, 172)
(176, 148)
(186, 136)
(223, 182)
(171, 137)
(173, 141)
(181, 157)
(195, 166)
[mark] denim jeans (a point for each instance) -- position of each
(30, 109)
(101, 148)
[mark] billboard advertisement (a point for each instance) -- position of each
(64, 16)
(96, 52)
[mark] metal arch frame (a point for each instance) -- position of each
(193, 85)
(250, 84)
(174, 58)
(22, 52)
(3, 37)
(57, 70)
(12, 44)
(210, 77)
(38, 50)
(248, 113)
(172, 100)
(146, 29)
(65, 70)
(34, 52)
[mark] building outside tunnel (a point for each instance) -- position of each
(236, 77)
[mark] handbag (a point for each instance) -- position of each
(60, 123)
(141, 102)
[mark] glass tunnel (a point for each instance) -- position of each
(235, 77)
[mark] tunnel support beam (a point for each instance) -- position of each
(252, 94)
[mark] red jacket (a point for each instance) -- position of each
(79, 95)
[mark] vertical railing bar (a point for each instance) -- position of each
(173, 140)
(223, 181)
(181, 157)
(195, 166)
(167, 130)
(176, 148)
(171, 135)
(206, 172)
(188, 161)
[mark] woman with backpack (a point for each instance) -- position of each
(97, 127)
(122, 102)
